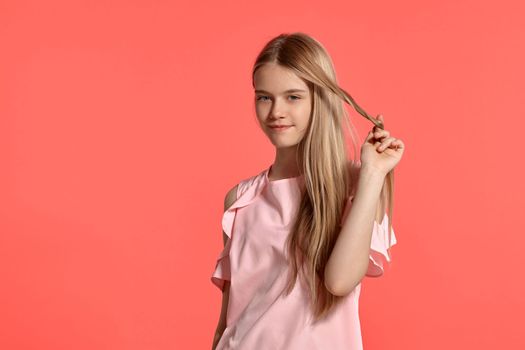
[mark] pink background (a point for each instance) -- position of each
(124, 123)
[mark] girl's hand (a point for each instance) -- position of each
(380, 151)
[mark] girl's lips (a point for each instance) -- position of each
(280, 128)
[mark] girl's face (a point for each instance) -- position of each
(281, 98)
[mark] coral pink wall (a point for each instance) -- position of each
(124, 123)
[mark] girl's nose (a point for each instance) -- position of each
(278, 110)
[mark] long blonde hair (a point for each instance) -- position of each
(322, 157)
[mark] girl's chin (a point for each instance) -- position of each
(284, 144)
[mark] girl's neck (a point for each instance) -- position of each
(285, 164)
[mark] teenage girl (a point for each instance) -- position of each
(300, 236)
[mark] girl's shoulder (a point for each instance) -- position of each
(248, 189)
(256, 180)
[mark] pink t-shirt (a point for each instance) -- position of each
(254, 260)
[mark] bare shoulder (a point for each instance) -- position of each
(230, 197)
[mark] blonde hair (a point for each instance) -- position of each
(322, 157)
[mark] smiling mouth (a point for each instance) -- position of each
(279, 128)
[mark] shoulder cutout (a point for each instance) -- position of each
(230, 197)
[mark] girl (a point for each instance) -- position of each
(294, 253)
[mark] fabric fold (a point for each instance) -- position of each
(222, 271)
(379, 247)
(379, 244)
(247, 192)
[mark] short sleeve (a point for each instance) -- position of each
(379, 247)
(222, 271)
(380, 244)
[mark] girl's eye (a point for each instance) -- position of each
(262, 98)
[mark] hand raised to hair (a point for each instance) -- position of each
(380, 151)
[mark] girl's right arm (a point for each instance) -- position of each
(222, 320)
(231, 197)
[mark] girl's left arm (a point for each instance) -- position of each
(348, 261)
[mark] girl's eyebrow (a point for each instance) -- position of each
(285, 92)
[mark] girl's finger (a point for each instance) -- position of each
(369, 136)
(386, 142)
(399, 144)
(381, 133)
